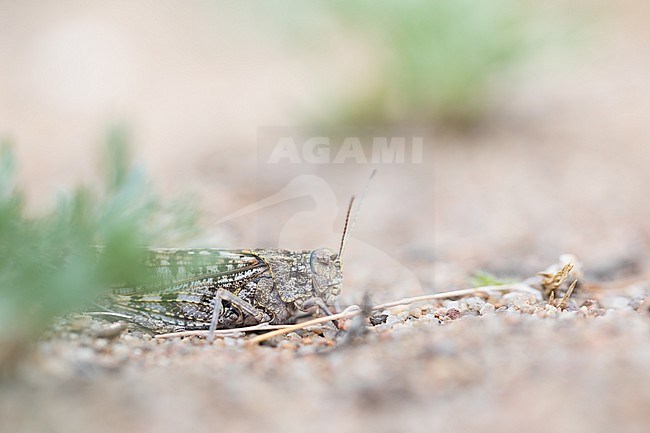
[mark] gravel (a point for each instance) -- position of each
(518, 363)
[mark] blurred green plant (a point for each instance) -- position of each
(92, 239)
(484, 278)
(439, 59)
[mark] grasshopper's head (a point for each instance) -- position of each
(326, 274)
(325, 264)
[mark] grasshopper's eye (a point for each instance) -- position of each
(316, 260)
(324, 265)
(325, 272)
(321, 258)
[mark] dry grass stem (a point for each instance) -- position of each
(552, 281)
(349, 312)
(222, 332)
(567, 295)
(485, 290)
(355, 310)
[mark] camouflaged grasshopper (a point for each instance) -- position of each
(199, 289)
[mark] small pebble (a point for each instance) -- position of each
(526, 308)
(440, 312)
(487, 308)
(111, 331)
(454, 314)
(637, 302)
(100, 344)
(431, 317)
(287, 345)
(452, 304)
(474, 303)
(292, 336)
(402, 315)
(518, 299)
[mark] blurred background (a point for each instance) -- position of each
(538, 114)
(534, 117)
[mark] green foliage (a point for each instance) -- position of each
(92, 239)
(484, 278)
(439, 58)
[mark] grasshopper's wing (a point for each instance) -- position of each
(169, 270)
(182, 285)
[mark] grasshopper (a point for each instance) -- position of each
(207, 289)
(198, 289)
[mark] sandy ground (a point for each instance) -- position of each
(560, 166)
(508, 362)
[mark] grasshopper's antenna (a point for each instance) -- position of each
(345, 227)
(348, 227)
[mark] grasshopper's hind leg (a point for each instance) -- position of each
(246, 307)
